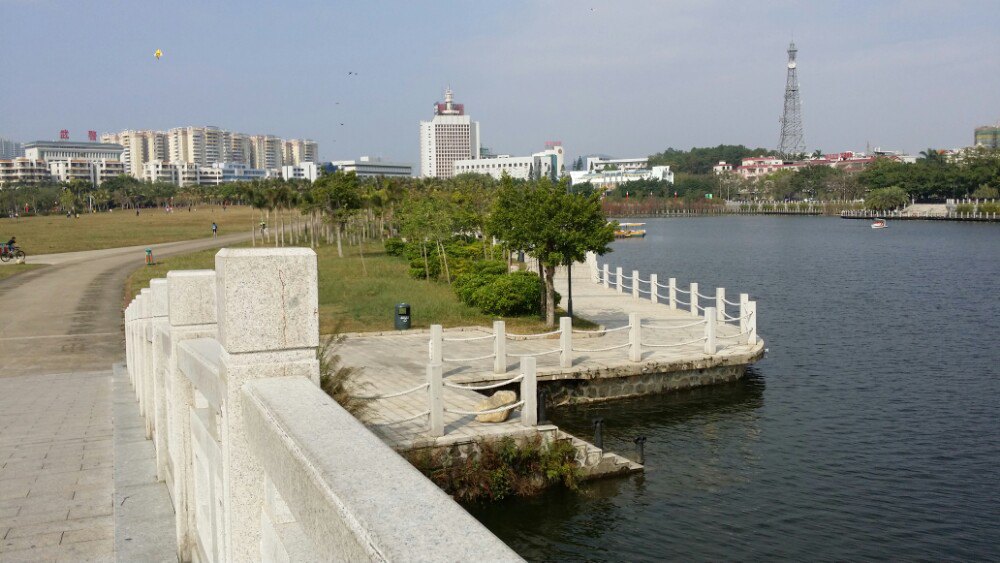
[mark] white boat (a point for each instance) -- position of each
(879, 224)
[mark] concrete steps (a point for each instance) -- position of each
(597, 463)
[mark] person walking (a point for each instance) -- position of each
(215, 230)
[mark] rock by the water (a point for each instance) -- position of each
(499, 399)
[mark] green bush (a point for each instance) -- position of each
(460, 252)
(478, 274)
(395, 246)
(514, 294)
(965, 208)
(989, 207)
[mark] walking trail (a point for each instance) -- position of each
(73, 458)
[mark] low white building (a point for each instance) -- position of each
(189, 174)
(304, 171)
(549, 163)
(597, 164)
(24, 171)
(367, 166)
(609, 179)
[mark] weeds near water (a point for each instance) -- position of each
(497, 469)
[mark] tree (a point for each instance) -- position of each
(555, 226)
(886, 198)
(339, 196)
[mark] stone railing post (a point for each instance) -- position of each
(752, 323)
(591, 260)
(694, 299)
(191, 310)
(499, 347)
(268, 317)
(529, 392)
(673, 292)
(436, 344)
(618, 280)
(130, 341)
(635, 284)
(435, 393)
(565, 342)
(654, 288)
(635, 337)
(720, 304)
(607, 275)
(146, 315)
(710, 320)
(160, 334)
(744, 299)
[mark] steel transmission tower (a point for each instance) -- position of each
(791, 121)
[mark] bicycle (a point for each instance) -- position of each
(6, 253)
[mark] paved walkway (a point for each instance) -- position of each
(60, 332)
(393, 362)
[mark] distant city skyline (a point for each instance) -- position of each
(624, 78)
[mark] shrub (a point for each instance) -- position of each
(395, 246)
(514, 294)
(989, 207)
(477, 275)
(500, 468)
(334, 378)
(965, 208)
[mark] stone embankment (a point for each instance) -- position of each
(260, 464)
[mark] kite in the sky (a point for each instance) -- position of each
(158, 54)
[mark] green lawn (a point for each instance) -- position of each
(360, 298)
(57, 233)
(9, 270)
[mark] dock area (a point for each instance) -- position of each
(653, 337)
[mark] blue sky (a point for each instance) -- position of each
(617, 77)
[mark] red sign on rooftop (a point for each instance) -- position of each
(92, 135)
(64, 134)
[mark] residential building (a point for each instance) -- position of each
(266, 152)
(23, 170)
(69, 150)
(297, 151)
(451, 135)
(987, 136)
(188, 174)
(240, 149)
(548, 163)
(139, 147)
(10, 149)
(95, 172)
(223, 172)
(369, 166)
(305, 171)
(198, 145)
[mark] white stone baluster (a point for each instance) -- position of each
(635, 337)
(437, 342)
(752, 337)
(654, 288)
(268, 318)
(529, 392)
(499, 347)
(710, 320)
(720, 304)
(435, 393)
(160, 334)
(673, 293)
(607, 275)
(191, 310)
(694, 299)
(635, 284)
(618, 280)
(565, 342)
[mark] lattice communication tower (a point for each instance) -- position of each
(792, 141)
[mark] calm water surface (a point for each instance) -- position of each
(870, 430)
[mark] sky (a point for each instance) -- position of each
(622, 78)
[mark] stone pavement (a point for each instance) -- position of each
(64, 435)
(395, 361)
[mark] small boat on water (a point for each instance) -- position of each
(879, 224)
(630, 230)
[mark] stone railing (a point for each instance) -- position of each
(259, 462)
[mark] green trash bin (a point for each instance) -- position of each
(402, 316)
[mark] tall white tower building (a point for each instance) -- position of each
(450, 136)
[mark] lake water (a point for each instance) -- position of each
(871, 429)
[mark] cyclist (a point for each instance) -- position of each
(11, 243)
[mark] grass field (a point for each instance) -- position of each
(57, 233)
(360, 298)
(9, 270)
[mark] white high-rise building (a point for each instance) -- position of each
(198, 145)
(267, 152)
(140, 147)
(10, 149)
(297, 151)
(449, 136)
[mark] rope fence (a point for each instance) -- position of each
(390, 395)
